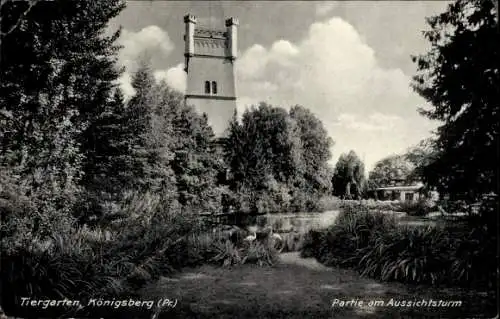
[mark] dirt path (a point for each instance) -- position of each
(295, 288)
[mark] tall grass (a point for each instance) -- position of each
(228, 247)
(414, 255)
(339, 244)
(114, 262)
(373, 244)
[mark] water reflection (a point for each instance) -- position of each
(295, 222)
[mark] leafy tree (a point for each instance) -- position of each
(14, 25)
(47, 93)
(390, 170)
(264, 156)
(277, 159)
(264, 144)
(459, 76)
(197, 158)
(150, 136)
(315, 147)
(349, 176)
(420, 156)
(139, 113)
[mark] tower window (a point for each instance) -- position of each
(214, 87)
(207, 87)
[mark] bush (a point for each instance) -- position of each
(63, 266)
(339, 245)
(327, 203)
(88, 262)
(314, 244)
(228, 249)
(373, 244)
(260, 252)
(413, 255)
(420, 207)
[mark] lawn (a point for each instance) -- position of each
(296, 288)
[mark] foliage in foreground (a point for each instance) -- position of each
(228, 248)
(374, 245)
(339, 245)
(95, 263)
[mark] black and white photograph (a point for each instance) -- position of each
(249, 159)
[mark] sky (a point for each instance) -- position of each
(349, 62)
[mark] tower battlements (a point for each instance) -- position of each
(210, 42)
(208, 33)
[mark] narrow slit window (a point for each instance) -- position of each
(207, 87)
(214, 87)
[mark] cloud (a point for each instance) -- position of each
(125, 83)
(151, 40)
(325, 7)
(175, 77)
(254, 61)
(334, 73)
(374, 122)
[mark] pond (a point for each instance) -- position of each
(297, 222)
(303, 222)
(293, 227)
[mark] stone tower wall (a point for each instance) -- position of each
(210, 56)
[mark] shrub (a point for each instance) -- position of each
(420, 207)
(416, 255)
(327, 203)
(88, 262)
(313, 245)
(261, 252)
(227, 253)
(472, 260)
(376, 247)
(339, 245)
(370, 204)
(226, 250)
(63, 266)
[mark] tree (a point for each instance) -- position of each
(266, 143)
(197, 159)
(15, 25)
(315, 147)
(460, 76)
(150, 135)
(264, 157)
(390, 170)
(48, 93)
(420, 156)
(349, 176)
(278, 159)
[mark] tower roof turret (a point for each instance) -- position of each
(189, 18)
(231, 21)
